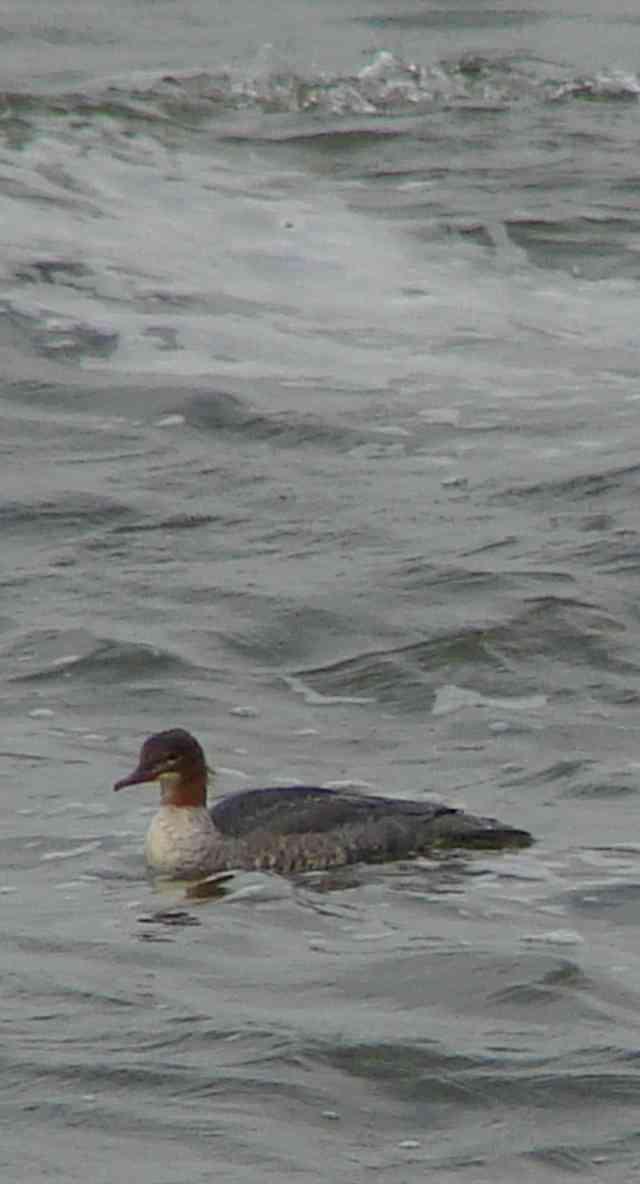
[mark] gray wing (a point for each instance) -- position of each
(337, 827)
(305, 809)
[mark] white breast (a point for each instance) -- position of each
(181, 841)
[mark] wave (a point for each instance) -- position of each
(494, 666)
(583, 488)
(76, 654)
(69, 510)
(387, 84)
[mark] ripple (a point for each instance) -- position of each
(497, 664)
(580, 488)
(75, 510)
(77, 654)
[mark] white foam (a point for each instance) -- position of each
(454, 698)
(315, 698)
(72, 853)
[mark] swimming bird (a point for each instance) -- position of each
(291, 828)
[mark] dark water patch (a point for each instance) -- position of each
(438, 1084)
(580, 777)
(595, 248)
(537, 1090)
(43, 200)
(509, 540)
(618, 553)
(559, 771)
(551, 986)
(601, 521)
(125, 1067)
(170, 918)
(483, 984)
(389, 677)
(49, 1000)
(323, 136)
(611, 785)
(55, 335)
(570, 631)
(454, 19)
(69, 511)
(164, 1079)
(442, 876)
(29, 757)
(617, 696)
(418, 573)
(615, 903)
(407, 1070)
(112, 103)
(276, 633)
(443, 582)
(224, 413)
(175, 522)
(68, 272)
(48, 395)
(408, 678)
(581, 489)
(571, 1159)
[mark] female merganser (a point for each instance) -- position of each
(288, 829)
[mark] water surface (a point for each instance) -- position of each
(319, 436)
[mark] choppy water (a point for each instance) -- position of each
(319, 435)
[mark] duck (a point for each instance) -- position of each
(287, 829)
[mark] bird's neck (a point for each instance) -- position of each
(178, 790)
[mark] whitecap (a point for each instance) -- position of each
(84, 849)
(453, 698)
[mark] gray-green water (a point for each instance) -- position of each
(319, 436)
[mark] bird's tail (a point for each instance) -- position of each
(456, 828)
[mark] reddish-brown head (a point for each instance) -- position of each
(176, 760)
